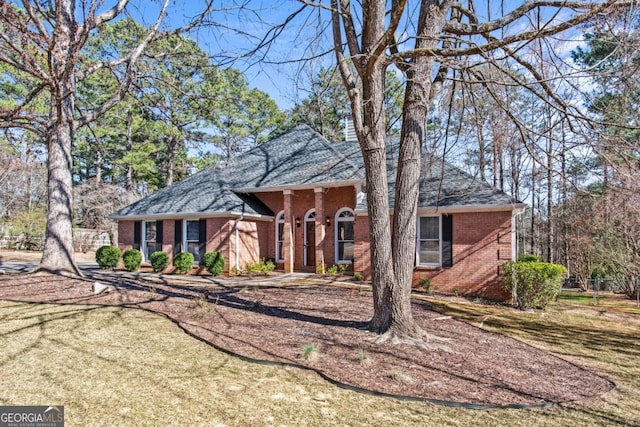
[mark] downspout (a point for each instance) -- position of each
(514, 251)
(237, 226)
(514, 236)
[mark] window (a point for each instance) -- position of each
(150, 237)
(344, 236)
(310, 238)
(429, 240)
(279, 236)
(192, 238)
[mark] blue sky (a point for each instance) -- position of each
(238, 30)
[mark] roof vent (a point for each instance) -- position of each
(349, 130)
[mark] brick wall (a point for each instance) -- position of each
(248, 244)
(301, 201)
(481, 243)
(125, 234)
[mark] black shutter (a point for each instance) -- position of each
(447, 240)
(177, 236)
(159, 235)
(137, 238)
(202, 237)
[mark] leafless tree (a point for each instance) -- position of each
(429, 41)
(41, 44)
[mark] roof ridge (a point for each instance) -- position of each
(328, 145)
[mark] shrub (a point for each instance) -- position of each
(213, 262)
(183, 262)
(263, 267)
(533, 284)
(528, 258)
(425, 284)
(132, 259)
(159, 260)
(357, 277)
(332, 271)
(342, 269)
(107, 256)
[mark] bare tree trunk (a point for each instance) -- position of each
(98, 167)
(129, 144)
(171, 160)
(58, 255)
(375, 160)
(532, 225)
(550, 210)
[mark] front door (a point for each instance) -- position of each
(310, 242)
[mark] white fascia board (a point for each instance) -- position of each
(193, 215)
(515, 208)
(299, 186)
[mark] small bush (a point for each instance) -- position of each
(425, 284)
(342, 269)
(107, 257)
(213, 262)
(132, 259)
(310, 352)
(159, 260)
(332, 271)
(183, 262)
(261, 267)
(533, 284)
(357, 277)
(528, 258)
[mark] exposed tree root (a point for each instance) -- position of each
(419, 339)
(71, 273)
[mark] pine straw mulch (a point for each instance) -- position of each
(277, 324)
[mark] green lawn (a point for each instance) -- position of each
(113, 366)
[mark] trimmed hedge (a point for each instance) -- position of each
(528, 258)
(183, 262)
(214, 262)
(107, 257)
(132, 259)
(533, 284)
(159, 261)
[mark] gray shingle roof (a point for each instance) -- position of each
(441, 183)
(298, 158)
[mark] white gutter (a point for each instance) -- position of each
(193, 215)
(299, 186)
(432, 210)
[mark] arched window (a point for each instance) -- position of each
(279, 236)
(344, 236)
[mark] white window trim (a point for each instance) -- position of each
(429, 264)
(335, 233)
(143, 238)
(278, 221)
(305, 241)
(185, 246)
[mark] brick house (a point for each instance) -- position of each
(299, 200)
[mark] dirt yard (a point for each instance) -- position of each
(324, 329)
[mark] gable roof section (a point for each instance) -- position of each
(442, 185)
(298, 158)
